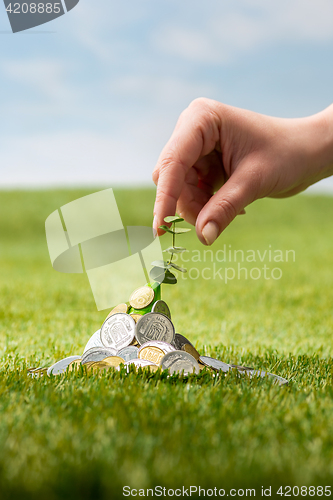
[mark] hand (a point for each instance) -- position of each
(240, 156)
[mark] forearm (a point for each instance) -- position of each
(304, 151)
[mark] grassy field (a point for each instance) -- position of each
(78, 436)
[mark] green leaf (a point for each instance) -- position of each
(157, 274)
(166, 228)
(169, 278)
(173, 218)
(177, 230)
(161, 264)
(175, 250)
(181, 269)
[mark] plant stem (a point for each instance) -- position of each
(173, 241)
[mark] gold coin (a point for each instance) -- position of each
(112, 361)
(120, 308)
(191, 350)
(107, 363)
(152, 368)
(202, 367)
(154, 354)
(134, 342)
(136, 317)
(74, 365)
(99, 365)
(88, 365)
(142, 297)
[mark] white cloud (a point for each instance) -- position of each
(46, 76)
(106, 31)
(82, 157)
(126, 70)
(211, 32)
(160, 90)
(188, 43)
(304, 20)
(226, 30)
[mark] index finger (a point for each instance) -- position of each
(191, 139)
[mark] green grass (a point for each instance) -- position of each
(78, 436)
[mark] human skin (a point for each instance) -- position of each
(220, 159)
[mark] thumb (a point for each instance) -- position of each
(229, 201)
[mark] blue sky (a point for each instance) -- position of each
(92, 97)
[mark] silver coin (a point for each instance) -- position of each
(94, 341)
(92, 349)
(161, 345)
(61, 366)
(97, 354)
(154, 326)
(128, 353)
(240, 368)
(216, 364)
(161, 307)
(180, 361)
(139, 363)
(179, 341)
(118, 331)
(98, 349)
(262, 374)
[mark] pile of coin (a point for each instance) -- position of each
(142, 334)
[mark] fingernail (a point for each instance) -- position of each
(155, 226)
(210, 232)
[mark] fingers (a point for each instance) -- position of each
(238, 192)
(191, 201)
(173, 165)
(199, 187)
(196, 134)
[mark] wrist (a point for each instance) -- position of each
(321, 141)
